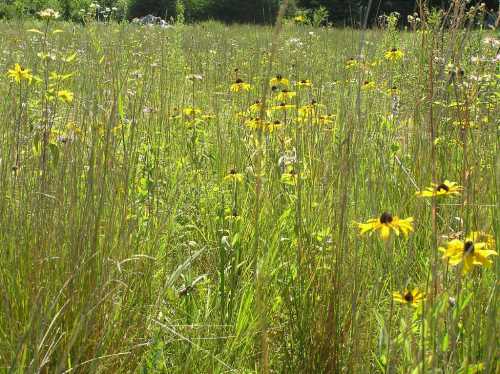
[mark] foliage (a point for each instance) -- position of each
(192, 200)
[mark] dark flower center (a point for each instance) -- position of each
(257, 102)
(282, 104)
(277, 122)
(238, 81)
(386, 217)
(408, 297)
(442, 187)
(232, 171)
(279, 77)
(313, 102)
(303, 81)
(468, 247)
(274, 88)
(285, 91)
(394, 50)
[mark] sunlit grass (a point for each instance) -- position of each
(130, 238)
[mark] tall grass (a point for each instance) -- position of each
(125, 249)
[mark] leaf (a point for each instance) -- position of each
(54, 151)
(177, 273)
(57, 31)
(70, 58)
(445, 343)
(36, 31)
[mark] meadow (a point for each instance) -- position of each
(210, 198)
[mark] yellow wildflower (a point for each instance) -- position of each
(279, 80)
(413, 298)
(394, 55)
(470, 252)
(65, 96)
(446, 188)
(385, 224)
(233, 176)
(240, 85)
(304, 83)
(286, 95)
(18, 74)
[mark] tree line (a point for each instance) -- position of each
(340, 12)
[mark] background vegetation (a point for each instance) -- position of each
(149, 223)
(340, 12)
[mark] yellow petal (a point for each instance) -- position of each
(385, 232)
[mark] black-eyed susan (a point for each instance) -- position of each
(286, 94)
(256, 106)
(309, 109)
(413, 297)
(240, 85)
(304, 83)
(279, 80)
(470, 252)
(232, 215)
(368, 85)
(385, 223)
(233, 176)
(394, 54)
(282, 106)
(253, 123)
(351, 63)
(326, 119)
(446, 188)
(18, 73)
(272, 126)
(290, 177)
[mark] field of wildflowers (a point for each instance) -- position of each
(211, 198)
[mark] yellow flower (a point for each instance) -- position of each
(279, 80)
(304, 83)
(446, 188)
(271, 126)
(49, 14)
(290, 177)
(368, 85)
(253, 123)
(65, 96)
(286, 94)
(351, 63)
(309, 109)
(18, 74)
(232, 215)
(240, 85)
(385, 224)
(470, 252)
(256, 107)
(325, 119)
(413, 298)
(283, 106)
(394, 54)
(188, 111)
(299, 19)
(233, 176)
